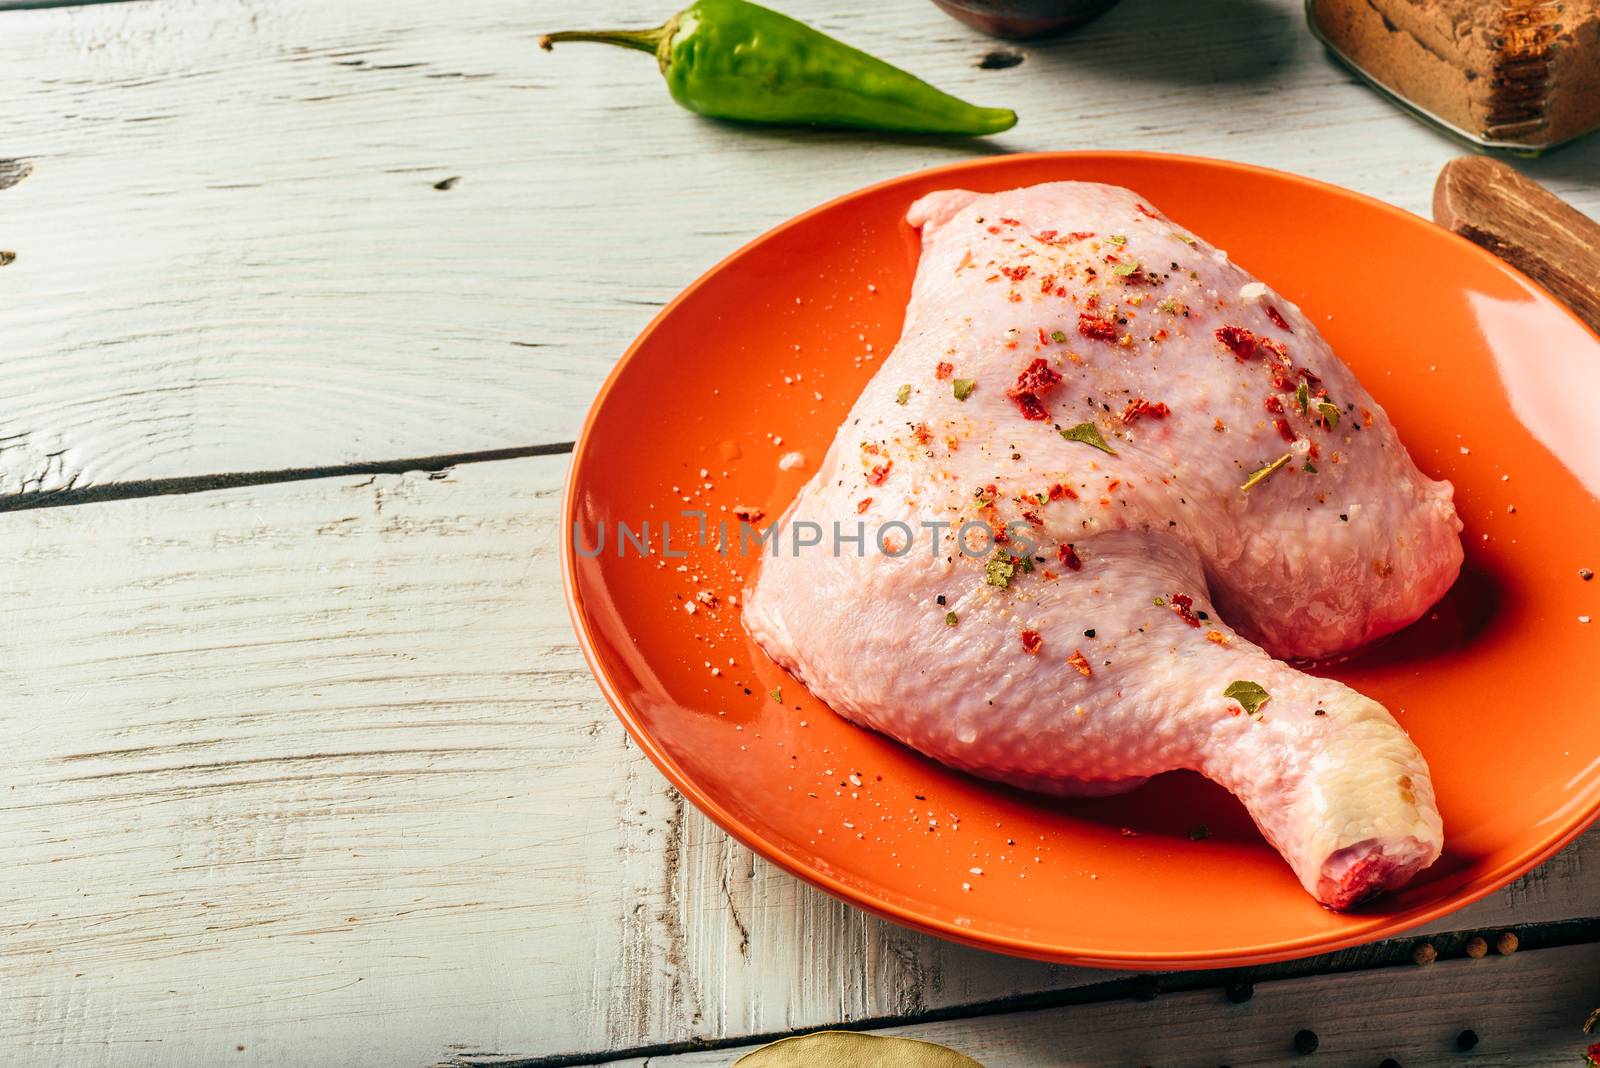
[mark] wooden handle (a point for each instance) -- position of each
(1491, 204)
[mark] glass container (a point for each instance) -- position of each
(1513, 74)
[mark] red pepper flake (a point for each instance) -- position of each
(1111, 487)
(992, 229)
(943, 371)
(1366, 417)
(1080, 235)
(1033, 517)
(1045, 236)
(1138, 408)
(1046, 283)
(1069, 556)
(1276, 347)
(1033, 384)
(1011, 222)
(878, 474)
(1277, 320)
(988, 494)
(1240, 342)
(1096, 328)
(1032, 642)
(1077, 660)
(923, 434)
(1044, 338)
(1146, 211)
(863, 505)
(1060, 490)
(1284, 430)
(1015, 298)
(1273, 404)
(1281, 380)
(1016, 274)
(1183, 604)
(1216, 636)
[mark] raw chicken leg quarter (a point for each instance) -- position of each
(1183, 483)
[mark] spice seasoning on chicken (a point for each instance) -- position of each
(1261, 474)
(1138, 408)
(1096, 328)
(1033, 385)
(1240, 342)
(1250, 695)
(1069, 556)
(1032, 641)
(1183, 605)
(944, 370)
(879, 474)
(1278, 320)
(1082, 665)
(998, 571)
(1088, 434)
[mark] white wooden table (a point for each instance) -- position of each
(300, 762)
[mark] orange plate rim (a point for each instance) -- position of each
(1379, 927)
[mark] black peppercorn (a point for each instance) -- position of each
(1239, 993)
(1305, 1042)
(1466, 1040)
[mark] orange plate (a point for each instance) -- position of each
(1495, 684)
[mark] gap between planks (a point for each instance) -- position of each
(1517, 1012)
(1142, 986)
(160, 487)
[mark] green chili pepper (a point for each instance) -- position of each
(731, 59)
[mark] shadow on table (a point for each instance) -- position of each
(1178, 42)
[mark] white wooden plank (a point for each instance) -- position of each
(315, 768)
(230, 255)
(1526, 1011)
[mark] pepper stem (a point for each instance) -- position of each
(644, 40)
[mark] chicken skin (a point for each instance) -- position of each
(1106, 480)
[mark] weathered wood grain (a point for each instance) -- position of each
(315, 768)
(231, 254)
(1524, 1011)
(1492, 204)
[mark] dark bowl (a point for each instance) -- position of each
(1022, 19)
